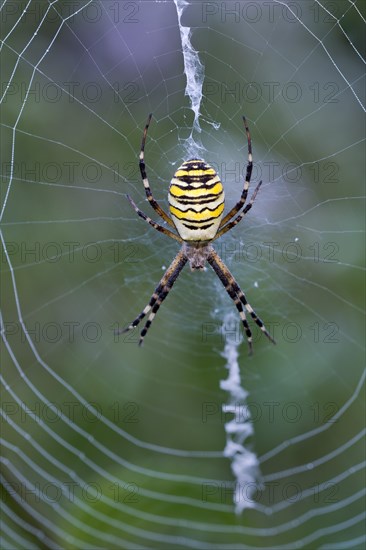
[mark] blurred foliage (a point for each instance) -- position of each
(83, 264)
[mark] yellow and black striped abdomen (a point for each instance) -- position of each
(196, 200)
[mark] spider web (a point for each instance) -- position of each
(106, 445)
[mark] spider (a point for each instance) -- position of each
(196, 204)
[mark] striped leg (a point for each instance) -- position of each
(252, 313)
(164, 293)
(227, 282)
(236, 220)
(237, 295)
(244, 194)
(155, 225)
(159, 294)
(145, 180)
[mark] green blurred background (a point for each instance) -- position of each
(109, 445)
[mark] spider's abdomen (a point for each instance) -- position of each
(196, 200)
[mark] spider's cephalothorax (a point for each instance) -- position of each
(196, 203)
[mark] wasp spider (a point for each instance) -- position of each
(196, 204)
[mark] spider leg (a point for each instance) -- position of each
(159, 295)
(236, 220)
(248, 175)
(227, 282)
(237, 295)
(155, 225)
(252, 313)
(164, 293)
(145, 180)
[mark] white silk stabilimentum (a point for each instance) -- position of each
(244, 463)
